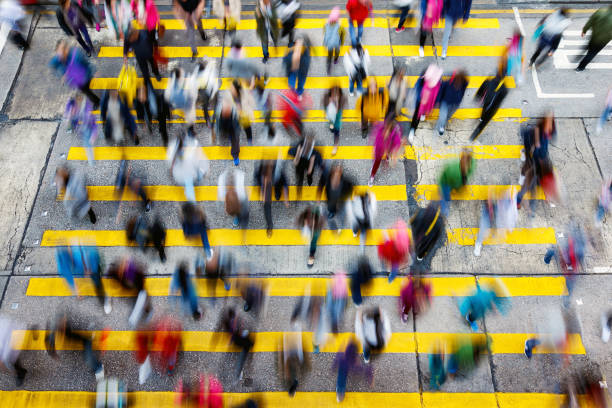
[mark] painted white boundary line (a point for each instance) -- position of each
(534, 72)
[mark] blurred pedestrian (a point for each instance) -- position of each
(227, 125)
(491, 94)
(357, 66)
(431, 11)
(126, 180)
(513, 59)
(267, 25)
(394, 250)
(190, 11)
(372, 329)
(360, 277)
(253, 292)
(453, 11)
(427, 91)
(404, 8)
(229, 12)
(483, 300)
(338, 189)
(553, 335)
(450, 96)
(548, 33)
(306, 159)
(293, 360)
(387, 140)
(145, 11)
(334, 103)
(570, 256)
(361, 211)
(182, 93)
(72, 20)
(240, 336)
(604, 202)
(397, 91)
(454, 176)
(335, 301)
(606, 114)
(600, 24)
(221, 266)
(194, 224)
(231, 191)
(82, 121)
(142, 43)
(264, 103)
(500, 213)
(465, 354)
(10, 356)
(347, 361)
(372, 105)
(238, 64)
(150, 105)
(358, 11)
(131, 276)
(71, 184)
(311, 222)
(292, 109)
(437, 370)
(144, 235)
(297, 63)
(287, 13)
(117, 118)
(333, 37)
(415, 297)
(182, 282)
(70, 64)
(208, 87)
(427, 227)
(244, 102)
(188, 164)
(269, 175)
(12, 14)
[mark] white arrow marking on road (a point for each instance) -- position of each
(561, 60)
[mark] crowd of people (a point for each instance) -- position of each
(138, 27)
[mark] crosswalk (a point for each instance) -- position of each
(397, 199)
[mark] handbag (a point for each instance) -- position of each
(127, 84)
(76, 74)
(331, 111)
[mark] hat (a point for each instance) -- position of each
(334, 15)
(433, 74)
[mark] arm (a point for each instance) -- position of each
(589, 24)
(466, 11)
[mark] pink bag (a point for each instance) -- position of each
(432, 14)
(401, 239)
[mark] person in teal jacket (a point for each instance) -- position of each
(454, 176)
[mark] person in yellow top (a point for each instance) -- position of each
(372, 105)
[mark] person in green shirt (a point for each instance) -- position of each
(600, 24)
(454, 176)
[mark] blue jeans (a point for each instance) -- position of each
(485, 224)
(301, 81)
(394, 272)
(341, 381)
(445, 197)
(404, 13)
(194, 229)
(352, 83)
(448, 29)
(354, 40)
(446, 112)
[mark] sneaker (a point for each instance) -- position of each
(371, 182)
(331, 126)
(404, 318)
(474, 326)
(100, 373)
(443, 55)
(352, 93)
(441, 131)
(421, 52)
(334, 151)
(148, 206)
(605, 329)
(411, 136)
(477, 249)
(236, 222)
(366, 359)
(339, 231)
(578, 69)
(310, 262)
(521, 179)
(236, 161)
(522, 155)
(354, 234)
(315, 348)
(108, 307)
(265, 59)
(399, 29)
(246, 307)
(419, 259)
(528, 349)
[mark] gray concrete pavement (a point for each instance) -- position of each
(36, 143)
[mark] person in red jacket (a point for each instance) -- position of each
(358, 11)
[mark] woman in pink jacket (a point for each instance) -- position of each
(387, 141)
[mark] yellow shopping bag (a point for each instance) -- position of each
(127, 84)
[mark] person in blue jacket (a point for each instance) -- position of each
(449, 98)
(453, 11)
(296, 63)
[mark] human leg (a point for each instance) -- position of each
(403, 14)
(352, 32)
(592, 50)
(448, 29)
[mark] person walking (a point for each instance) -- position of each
(240, 336)
(306, 159)
(190, 11)
(311, 222)
(117, 118)
(361, 211)
(394, 249)
(244, 102)
(427, 226)
(208, 87)
(338, 189)
(397, 91)
(182, 282)
(404, 8)
(387, 141)
(193, 222)
(513, 59)
(71, 184)
(491, 94)
(450, 97)
(453, 11)
(144, 235)
(267, 25)
(228, 11)
(287, 13)
(431, 11)
(231, 191)
(357, 66)
(454, 176)
(270, 175)
(346, 362)
(333, 37)
(358, 11)
(150, 105)
(372, 329)
(334, 102)
(188, 164)
(72, 66)
(606, 114)
(361, 277)
(501, 213)
(12, 14)
(10, 356)
(415, 297)
(549, 32)
(600, 24)
(372, 105)
(73, 22)
(227, 125)
(297, 63)
(427, 90)
(604, 201)
(182, 94)
(142, 43)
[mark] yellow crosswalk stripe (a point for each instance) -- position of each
(397, 192)
(147, 399)
(320, 51)
(453, 50)
(267, 342)
(314, 23)
(290, 287)
(480, 152)
(281, 82)
(289, 237)
(209, 193)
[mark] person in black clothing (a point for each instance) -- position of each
(270, 175)
(72, 20)
(240, 336)
(134, 184)
(361, 275)
(338, 189)
(227, 125)
(142, 43)
(492, 93)
(306, 159)
(139, 231)
(149, 105)
(190, 11)
(427, 227)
